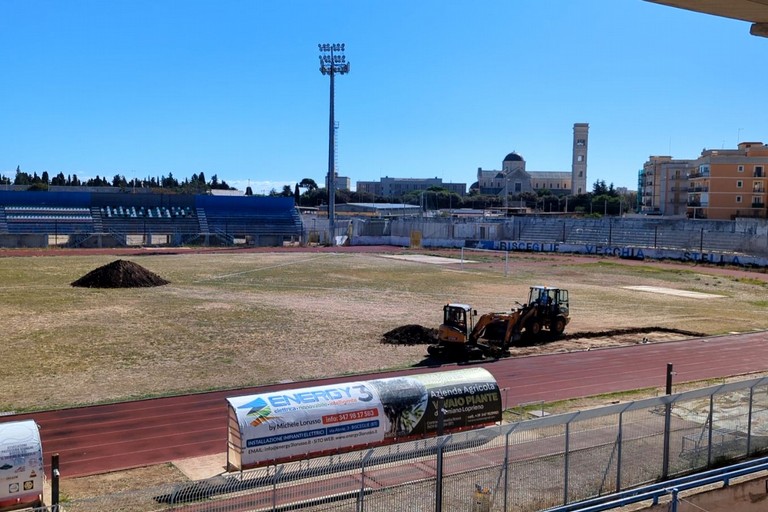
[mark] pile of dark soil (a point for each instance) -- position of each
(411, 334)
(120, 274)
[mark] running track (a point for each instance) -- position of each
(104, 438)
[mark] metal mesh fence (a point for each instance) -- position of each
(739, 236)
(523, 466)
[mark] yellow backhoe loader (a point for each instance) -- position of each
(464, 336)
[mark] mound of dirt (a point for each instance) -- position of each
(120, 274)
(411, 334)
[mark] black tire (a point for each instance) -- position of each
(534, 328)
(558, 326)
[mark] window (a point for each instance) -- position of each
(581, 142)
(741, 168)
(758, 171)
(580, 174)
(738, 199)
(739, 183)
(580, 158)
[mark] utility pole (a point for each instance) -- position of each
(332, 61)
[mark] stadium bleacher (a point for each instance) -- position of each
(185, 218)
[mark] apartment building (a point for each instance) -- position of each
(729, 183)
(339, 182)
(662, 187)
(397, 187)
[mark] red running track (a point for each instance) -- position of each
(98, 439)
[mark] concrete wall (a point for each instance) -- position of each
(748, 496)
(20, 241)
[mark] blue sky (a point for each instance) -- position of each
(436, 88)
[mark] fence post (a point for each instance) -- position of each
(709, 434)
(749, 420)
(618, 455)
(55, 475)
(667, 425)
(361, 496)
(278, 472)
(675, 499)
(439, 474)
(566, 461)
(506, 468)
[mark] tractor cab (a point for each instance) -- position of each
(458, 322)
(548, 309)
(548, 297)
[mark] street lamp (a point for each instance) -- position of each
(332, 61)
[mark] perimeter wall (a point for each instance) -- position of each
(739, 242)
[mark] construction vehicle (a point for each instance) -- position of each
(463, 335)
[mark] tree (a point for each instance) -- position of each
(287, 192)
(308, 183)
(296, 194)
(22, 178)
(248, 191)
(599, 188)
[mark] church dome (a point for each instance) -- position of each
(513, 157)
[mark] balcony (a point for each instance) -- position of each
(698, 188)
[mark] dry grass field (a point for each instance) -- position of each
(248, 318)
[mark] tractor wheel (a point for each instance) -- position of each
(558, 326)
(534, 328)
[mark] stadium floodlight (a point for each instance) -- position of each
(332, 62)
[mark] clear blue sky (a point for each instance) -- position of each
(437, 88)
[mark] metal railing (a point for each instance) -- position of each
(530, 465)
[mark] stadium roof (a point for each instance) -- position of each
(755, 11)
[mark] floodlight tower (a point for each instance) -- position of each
(332, 61)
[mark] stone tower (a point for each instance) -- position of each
(579, 165)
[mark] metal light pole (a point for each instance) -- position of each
(332, 61)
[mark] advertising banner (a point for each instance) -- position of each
(301, 423)
(21, 463)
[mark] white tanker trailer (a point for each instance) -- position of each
(295, 424)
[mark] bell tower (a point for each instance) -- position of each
(579, 164)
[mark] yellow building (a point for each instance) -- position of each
(729, 183)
